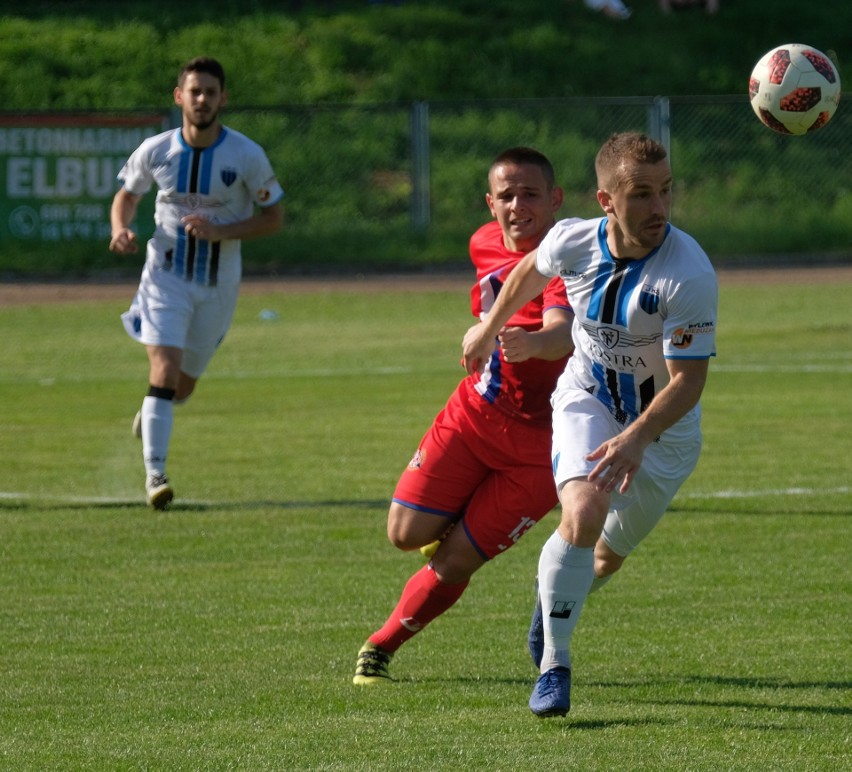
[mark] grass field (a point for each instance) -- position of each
(222, 634)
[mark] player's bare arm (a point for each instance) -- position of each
(265, 222)
(122, 212)
(521, 286)
(620, 457)
(553, 341)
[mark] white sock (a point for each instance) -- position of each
(157, 420)
(565, 574)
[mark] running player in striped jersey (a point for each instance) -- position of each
(481, 477)
(215, 187)
(626, 412)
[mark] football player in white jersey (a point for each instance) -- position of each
(626, 418)
(215, 187)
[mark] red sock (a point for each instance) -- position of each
(424, 598)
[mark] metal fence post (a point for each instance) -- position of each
(419, 134)
(659, 122)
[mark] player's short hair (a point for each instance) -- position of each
(526, 156)
(623, 148)
(203, 64)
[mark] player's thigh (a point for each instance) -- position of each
(581, 423)
(164, 308)
(506, 505)
(211, 319)
(447, 466)
(632, 516)
(410, 528)
(165, 364)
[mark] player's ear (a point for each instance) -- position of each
(490, 201)
(224, 99)
(557, 196)
(178, 98)
(605, 200)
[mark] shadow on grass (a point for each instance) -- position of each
(454, 682)
(615, 722)
(746, 683)
(742, 683)
(768, 683)
(820, 710)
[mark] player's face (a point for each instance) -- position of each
(639, 209)
(523, 203)
(200, 98)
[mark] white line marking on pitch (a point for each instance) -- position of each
(121, 501)
(50, 380)
(754, 494)
(798, 368)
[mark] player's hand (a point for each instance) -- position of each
(199, 227)
(516, 344)
(123, 242)
(477, 346)
(618, 461)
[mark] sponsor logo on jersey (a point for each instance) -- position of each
(681, 338)
(608, 337)
(701, 328)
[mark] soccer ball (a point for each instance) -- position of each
(794, 89)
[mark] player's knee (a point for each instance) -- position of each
(399, 540)
(409, 529)
(185, 387)
(395, 537)
(400, 531)
(182, 396)
(454, 568)
(583, 513)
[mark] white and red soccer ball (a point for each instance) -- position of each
(794, 89)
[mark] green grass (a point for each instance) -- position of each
(222, 634)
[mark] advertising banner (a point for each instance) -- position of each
(58, 174)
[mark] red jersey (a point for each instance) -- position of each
(521, 389)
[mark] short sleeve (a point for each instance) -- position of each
(689, 331)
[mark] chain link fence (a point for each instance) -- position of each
(395, 187)
(405, 185)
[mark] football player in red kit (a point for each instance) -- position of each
(482, 475)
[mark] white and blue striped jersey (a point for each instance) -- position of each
(222, 182)
(631, 315)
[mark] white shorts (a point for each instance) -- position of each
(170, 311)
(581, 423)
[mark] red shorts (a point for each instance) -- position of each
(484, 469)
